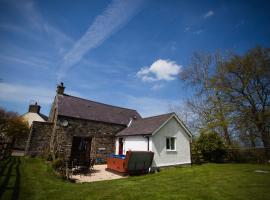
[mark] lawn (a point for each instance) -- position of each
(29, 178)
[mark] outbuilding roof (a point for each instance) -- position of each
(145, 126)
(76, 107)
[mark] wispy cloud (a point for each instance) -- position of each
(32, 61)
(25, 93)
(187, 29)
(29, 93)
(116, 15)
(36, 26)
(198, 32)
(210, 13)
(157, 86)
(160, 70)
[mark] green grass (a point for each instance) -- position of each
(28, 178)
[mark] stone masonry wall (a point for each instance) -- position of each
(39, 138)
(103, 136)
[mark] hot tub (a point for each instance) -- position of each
(117, 163)
(135, 162)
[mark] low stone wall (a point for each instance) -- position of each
(20, 142)
(102, 134)
(39, 138)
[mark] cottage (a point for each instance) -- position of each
(80, 129)
(34, 114)
(165, 135)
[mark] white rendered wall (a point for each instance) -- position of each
(163, 157)
(134, 143)
(116, 146)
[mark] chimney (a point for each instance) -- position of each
(34, 108)
(60, 88)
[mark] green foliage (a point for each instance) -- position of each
(211, 147)
(58, 164)
(196, 154)
(12, 125)
(247, 155)
(231, 95)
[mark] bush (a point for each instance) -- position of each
(210, 147)
(58, 164)
(247, 155)
(196, 157)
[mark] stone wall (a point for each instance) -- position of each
(102, 134)
(39, 138)
(20, 142)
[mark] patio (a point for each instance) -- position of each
(99, 174)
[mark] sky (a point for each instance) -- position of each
(127, 53)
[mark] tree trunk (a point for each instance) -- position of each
(226, 136)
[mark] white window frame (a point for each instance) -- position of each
(170, 144)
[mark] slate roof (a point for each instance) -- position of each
(43, 116)
(145, 126)
(90, 110)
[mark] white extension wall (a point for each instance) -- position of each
(134, 143)
(181, 155)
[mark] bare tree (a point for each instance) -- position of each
(206, 103)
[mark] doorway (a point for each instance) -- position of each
(81, 148)
(120, 150)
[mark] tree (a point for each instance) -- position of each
(244, 83)
(12, 125)
(206, 103)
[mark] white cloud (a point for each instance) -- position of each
(116, 15)
(25, 93)
(210, 13)
(160, 70)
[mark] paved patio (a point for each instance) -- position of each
(100, 174)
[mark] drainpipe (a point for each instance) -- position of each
(147, 143)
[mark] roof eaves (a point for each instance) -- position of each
(179, 121)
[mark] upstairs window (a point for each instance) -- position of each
(170, 143)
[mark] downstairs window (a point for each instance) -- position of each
(170, 143)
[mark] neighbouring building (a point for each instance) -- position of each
(81, 129)
(34, 114)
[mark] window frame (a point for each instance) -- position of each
(170, 143)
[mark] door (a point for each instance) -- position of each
(120, 150)
(81, 148)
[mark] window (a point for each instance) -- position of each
(170, 143)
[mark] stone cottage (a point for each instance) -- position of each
(77, 128)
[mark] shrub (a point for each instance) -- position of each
(196, 157)
(58, 164)
(247, 155)
(211, 147)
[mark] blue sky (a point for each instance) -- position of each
(125, 53)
